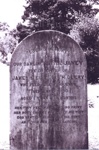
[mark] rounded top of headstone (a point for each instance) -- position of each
(46, 39)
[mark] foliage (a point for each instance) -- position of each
(86, 33)
(51, 14)
(74, 17)
(8, 41)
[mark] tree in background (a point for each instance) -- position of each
(51, 14)
(74, 17)
(8, 41)
(86, 33)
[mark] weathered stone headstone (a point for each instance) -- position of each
(48, 93)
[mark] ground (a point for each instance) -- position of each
(93, 111)
(93, 116)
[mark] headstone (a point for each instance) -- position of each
(48, 93)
